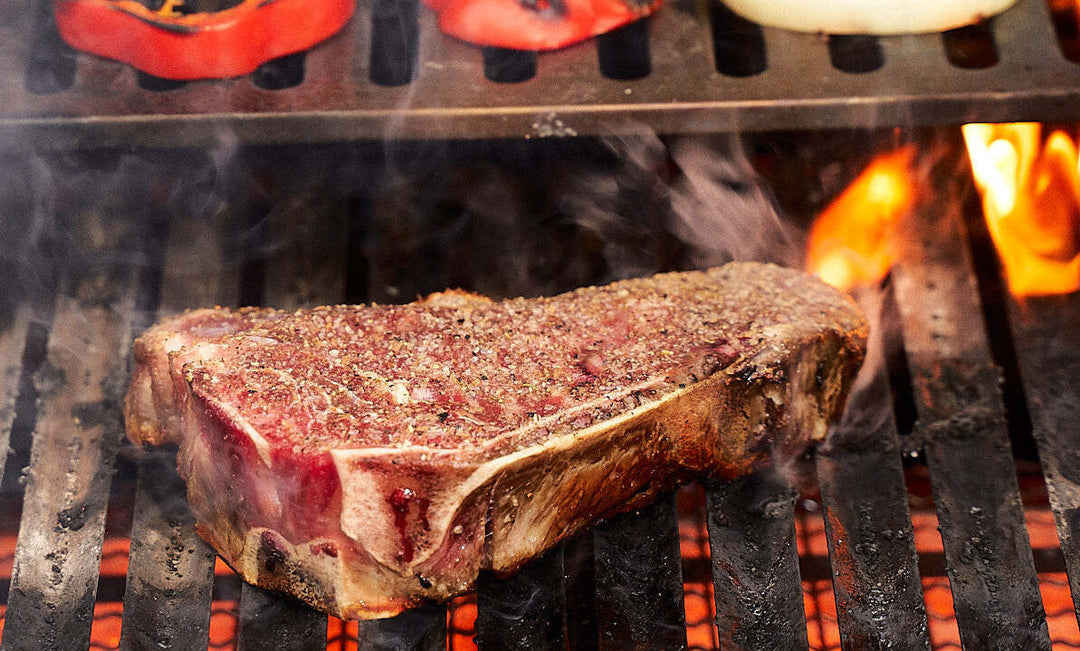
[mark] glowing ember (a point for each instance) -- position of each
(853, 241)
(1031, 200)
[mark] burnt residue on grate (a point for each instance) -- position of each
(759, 600)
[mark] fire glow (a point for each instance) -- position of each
(1030, 190)
(1031, 200)
(853, 242)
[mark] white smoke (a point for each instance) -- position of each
(721, 208)
(679, 202)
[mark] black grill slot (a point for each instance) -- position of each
(157, 84)
(624, 52)
(281, 73)
(506, 66)
(51, 66)
(738, 44)
(971, 47)
(393, 42)
(855, 53)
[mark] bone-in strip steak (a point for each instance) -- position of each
(368, 458)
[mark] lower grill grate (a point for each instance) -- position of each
(122, 257)
(823, 632)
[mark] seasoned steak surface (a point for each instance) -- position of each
(459, 376)
(423, 442)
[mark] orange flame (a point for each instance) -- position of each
(1031, 201)
(853, 241)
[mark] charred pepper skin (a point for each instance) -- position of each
(172, 45)
(536, 24)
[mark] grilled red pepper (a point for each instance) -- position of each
(174, 45)
(535, 24)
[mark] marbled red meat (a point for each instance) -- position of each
(368, 458)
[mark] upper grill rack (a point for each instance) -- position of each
(327, 94)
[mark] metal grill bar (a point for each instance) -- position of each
(962, 422)
(170, 569)
(879, 599)
(639, 585)
(524, 611)
(13, 329)
(579, 565)
(307, 234)
(19, 305)
(450, 97)
(199, 267)
(78, 431)
(269, 620)
(419, 629)
(755, 563)
(1048, 348)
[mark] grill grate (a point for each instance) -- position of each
(869, 527)
(668, 79)
(965, 438)
(637, 553)
(303, 259)
(756, 563)
(1044, 330)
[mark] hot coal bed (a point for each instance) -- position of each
(390, 162)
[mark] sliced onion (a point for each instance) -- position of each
(867, 16)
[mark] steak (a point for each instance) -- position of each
(367, 459)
